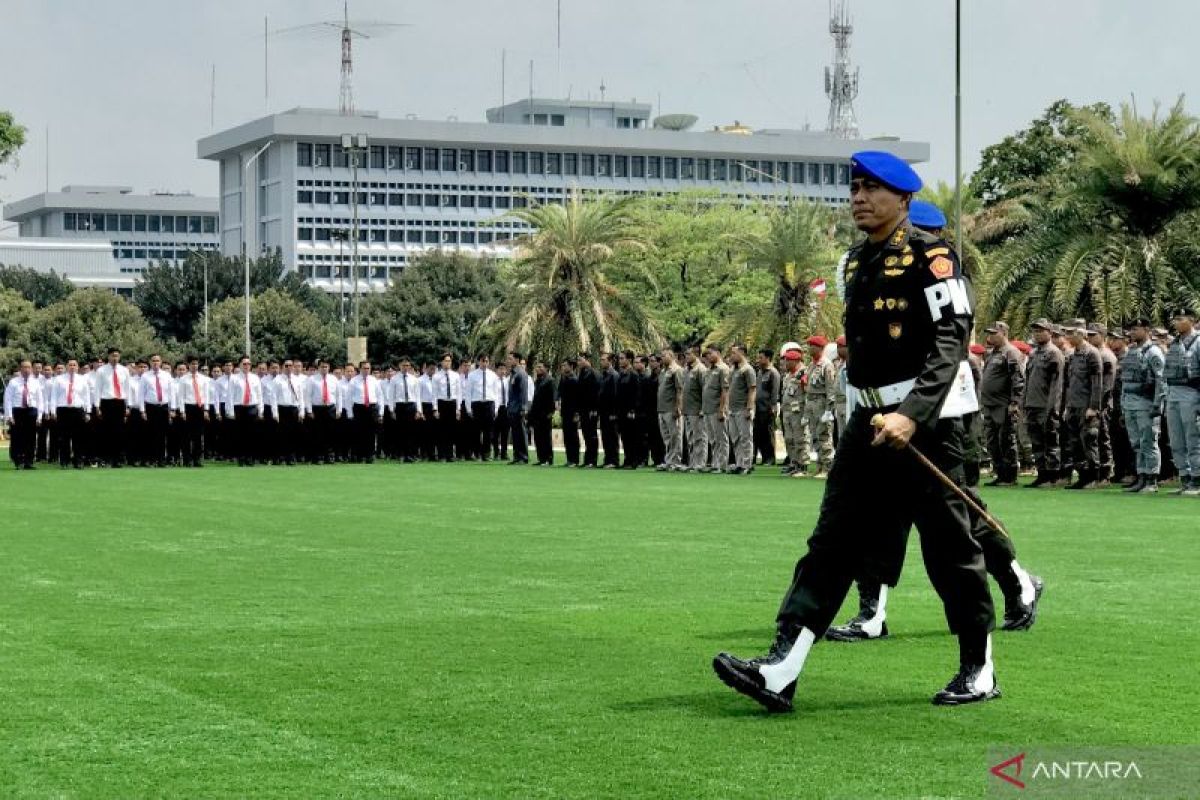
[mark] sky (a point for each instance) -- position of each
(124, 86)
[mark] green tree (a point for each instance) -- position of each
(1114, 240)
(794, 249)
(435, 305)
(39, 288)
(280, 327)
(86, 323)
(16, 317)
(172, 297)
(561, 298)
(1049, 144)
(12, 136)
(974, 261)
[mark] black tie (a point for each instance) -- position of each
(405, 379)
(448, 385)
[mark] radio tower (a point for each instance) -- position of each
(841, 84)
(346, 97)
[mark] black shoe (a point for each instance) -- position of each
(1137, 485)
(967, 687)
(737, 471)
(1087, 479)
(857, 629)
(744, 676)
(1021, 617)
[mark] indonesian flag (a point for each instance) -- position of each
(818, 287)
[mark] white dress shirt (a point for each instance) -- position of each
(343, 405)
(289, 391)
(443, 378)
(410, 383)
(236, 393)
(316, 396)
(103, 382)
(23, 392)
(186, 390)
(354, 393)
(151, 391)
(220, 390)
(426, 383)
(70, 391)
(134, 401)
(483, 386)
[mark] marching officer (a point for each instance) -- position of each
(792, 401)
(589, 409)
(1002, 382)
(157, 397)
(244, 404)
(904, 361)
(1182, 374)
(322, 407)
(447, 391)
(1043, 396)
(1143, 400)
(569, 410)
(112, 383)
(1085, 397)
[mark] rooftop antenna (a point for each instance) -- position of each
(841, 84)
(347, 30)
(602, 90)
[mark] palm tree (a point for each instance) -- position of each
(1116, 236)
(793, 249)
(561, 301)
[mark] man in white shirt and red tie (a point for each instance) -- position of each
(289, 400)
(23, 404)
(111, 384)
(322, 408)
(193, 390)
(244, 402)
(157, 397)
(483, 392)
(406, 409)
(70, 403)
(366, 412)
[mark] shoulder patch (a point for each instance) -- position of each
(941, 267)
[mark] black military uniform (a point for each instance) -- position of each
(541, 414)
(589, 414)
(569, 406)
(629, 398)
(654, 452)
(908, 317)
(607, 406)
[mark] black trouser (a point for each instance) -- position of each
(467, 441)
(288, 444)
(1042, 427)
(364, 432)
(135, 438)
(158, 419)
(24, 437)
(633, 440)
(407, 442)
(999, 427)
(764, 434)
(862, 518)
(543, 438)
(591, 442)
(69, 427)
(42, 445)
(268, 437)
(426, 433)
(570, 434)
(483, 412)
(112, 413)
(193, 439)
(323, 421)
(176, 437)
(387, 435)
(500, 434)
(653, 439)
(447, 428)
(212, 433)
(520, 437)
(247, 423)
(610, 438)
(1124, 458)
(51, 448)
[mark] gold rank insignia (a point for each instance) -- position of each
(938, 251)
(898, 237)
(879, 304)
(894, 330)
(891, 261)
(902, 304)
(907, 260)
(891, 303)
(894, 273)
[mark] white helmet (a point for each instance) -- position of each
(786, 346)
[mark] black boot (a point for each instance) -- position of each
(770, 679)
(975, 680)
(1137, 485)
(871, 621)
(1044, 477)
(1087, 477)
(1017, 615)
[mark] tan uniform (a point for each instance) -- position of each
(716, 382)
(742, 387)
(695, 434)
(822, 387)
(792, 401)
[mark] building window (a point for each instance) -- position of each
(671, 168)
(797, 172)
(341, 198)
(433, 200)
(502, 162)
(466, 160)
(654, 167)
(748, 171)
(827, 174)
(395, 199)
(844, 174)
(340, 158)
(570, 164)
(467, 201)
(412, 236)
(620, 166)
(321, 156)
(483, 160)
(304, 234)
(485, 201)
(554, 163)
(687, 168)
(624, 122)
(431, 158)
(395, 157)
(503, 201)
(518, 163)
(603, 165)
(378, 235)
(152, 223)
(375, 156)
(536, 163)
(126, 222)
(210, 224)
(520, 202)
(449, 201)
(486, 237)
(449, 237)
(168, 225)
(304, 196)
(395, 235)
(736, 171)
(193, 225)
(322, 198)
(558, 120)
(449, 162)
(304, 154)
(412, 158)
(702, 169)
(431, 237)
(587, 165)
(68, 221)
(814, 174)
(720, 169)
(467, 237)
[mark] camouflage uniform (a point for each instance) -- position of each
(818, 412)
(795, 437)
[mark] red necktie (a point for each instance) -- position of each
(366, 395)
(70, 389)
(116, 384)
(246, 394)
(324, 391)
(158, 388)
(196, 388)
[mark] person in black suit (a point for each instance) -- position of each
(609, 413)
(568, 409)
(629, 399)
(541, 414)
(518, 407)
(589, 409)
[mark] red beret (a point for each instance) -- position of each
(841, 341)
(792, 355)
(977, 349)
(1023, 346)
(817, 341)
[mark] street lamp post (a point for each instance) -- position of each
(245, 233)
(354, 145)
(341, 234)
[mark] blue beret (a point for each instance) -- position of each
(926, 215)
(886, 168)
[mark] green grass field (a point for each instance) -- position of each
(486, 631)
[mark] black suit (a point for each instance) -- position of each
(568, 399)
(588, 405)
(541, 414)
(608, 417)
(629, 390)
(516, 417)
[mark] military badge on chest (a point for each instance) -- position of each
(895, 330)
